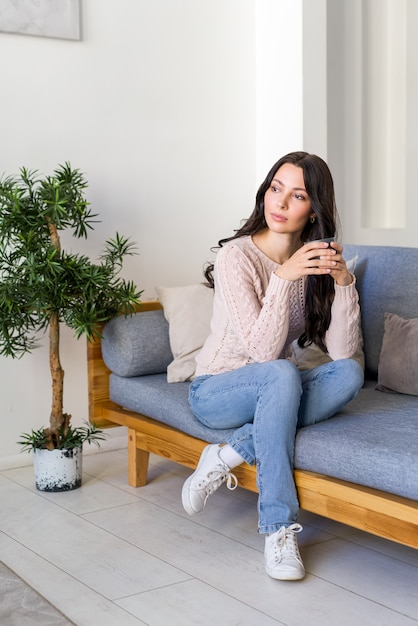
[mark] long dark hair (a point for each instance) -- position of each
(319, 186)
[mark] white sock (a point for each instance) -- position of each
(230, 456)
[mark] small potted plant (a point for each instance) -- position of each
(42, 287)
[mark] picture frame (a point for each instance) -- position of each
(42, 18)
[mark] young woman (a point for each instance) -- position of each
(275, 283)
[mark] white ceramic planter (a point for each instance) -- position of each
(58, 470)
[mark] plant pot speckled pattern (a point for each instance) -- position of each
(58, 470)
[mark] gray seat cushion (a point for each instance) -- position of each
(166, 402)
(373, 442)
(369, 442)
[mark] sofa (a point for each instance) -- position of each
(359, 467)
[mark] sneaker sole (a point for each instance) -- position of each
(285, 575)
(185, 491)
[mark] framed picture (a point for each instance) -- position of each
(43, 18)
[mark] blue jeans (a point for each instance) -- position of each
(266, 403)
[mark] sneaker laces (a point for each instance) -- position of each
(214, 479)
(285, 544)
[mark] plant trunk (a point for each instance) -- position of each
(57, 417)
(58, 421)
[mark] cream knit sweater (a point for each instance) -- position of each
(256, 314)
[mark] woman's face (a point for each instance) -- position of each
(287, 206)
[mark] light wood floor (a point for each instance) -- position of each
(113, 555)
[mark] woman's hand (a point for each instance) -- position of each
(316, 258)
(340, 273)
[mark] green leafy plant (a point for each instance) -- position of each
(68, 437)
(43, 286)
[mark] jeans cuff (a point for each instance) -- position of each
(233, 443)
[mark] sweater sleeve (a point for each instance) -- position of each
(261, 322)
(343, 333)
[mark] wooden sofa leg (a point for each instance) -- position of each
(137, 462)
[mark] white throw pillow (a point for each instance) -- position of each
(188, 311)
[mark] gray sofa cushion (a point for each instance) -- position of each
(398, 364)
(137, 345)
(387, 283)
(371, 442)
(368, 443)
(166, 402)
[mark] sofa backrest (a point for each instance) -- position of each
(387, 281)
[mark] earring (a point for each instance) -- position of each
(312, 219)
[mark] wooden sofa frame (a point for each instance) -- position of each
(374, 511)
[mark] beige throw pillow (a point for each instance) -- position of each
(398, 362)
(188, 311)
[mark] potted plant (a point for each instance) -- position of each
(42, 286)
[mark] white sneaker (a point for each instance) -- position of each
(282, 556)
(209, 475)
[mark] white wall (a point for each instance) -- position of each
(279, 80)
(161, 105)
